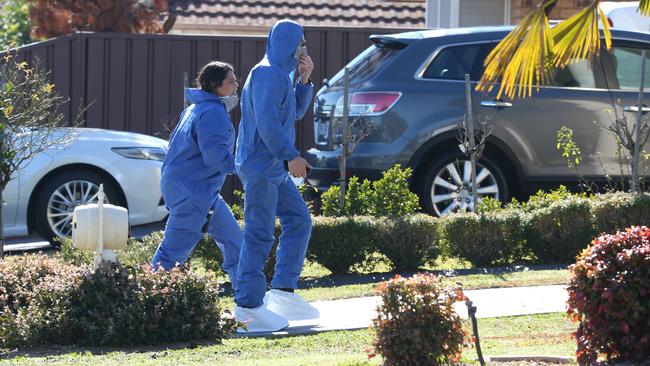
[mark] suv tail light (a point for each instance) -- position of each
(611, 24)
(368, 103)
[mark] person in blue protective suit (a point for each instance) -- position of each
(271, 102)
(199, 158)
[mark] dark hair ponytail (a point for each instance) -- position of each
(212, 75)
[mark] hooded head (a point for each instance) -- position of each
(284, 39)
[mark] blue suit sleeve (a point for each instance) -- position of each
(267, 95)
(213, 133)
(304, 94)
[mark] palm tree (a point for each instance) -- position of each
(528, 54)
(525, 58)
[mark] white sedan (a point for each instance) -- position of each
(45, 191)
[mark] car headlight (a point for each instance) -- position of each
(146, 153)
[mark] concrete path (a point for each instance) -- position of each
(357, 313)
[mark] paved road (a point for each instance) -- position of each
(34, 242)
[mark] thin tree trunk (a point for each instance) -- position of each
(637, 129)
(2, 224)
(345, 137)
(470, 131)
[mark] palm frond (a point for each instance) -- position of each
(521, 58)
(644, 7)
(579, 37)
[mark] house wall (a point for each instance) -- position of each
(134, 82)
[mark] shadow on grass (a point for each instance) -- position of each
(57, 350)
(366, 278)
(360, 279)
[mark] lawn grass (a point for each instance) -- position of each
(544, 334)
(469, 282)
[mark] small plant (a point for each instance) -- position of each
(391, 194)
(543, 199)
(358, 198)
(330, 205)
(416, 323)
(489, 204)
(609, 295)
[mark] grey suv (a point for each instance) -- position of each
(410, 88)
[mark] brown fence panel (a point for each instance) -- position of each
(134, 82)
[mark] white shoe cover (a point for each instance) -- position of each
(289, 305)
(259, 319)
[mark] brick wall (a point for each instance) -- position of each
(563, 9)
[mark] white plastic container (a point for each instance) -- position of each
(85, 227)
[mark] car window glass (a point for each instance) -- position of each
(627, 65)
(452, 63)
(366, 64)
(578, 74)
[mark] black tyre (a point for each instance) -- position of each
(446, 184)
(57, 198)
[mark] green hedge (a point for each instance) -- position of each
(408, 242)
(551, 228)
(557, 233)
(616, 211)
(340, 243)
(486, 239)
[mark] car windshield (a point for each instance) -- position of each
(367, 63)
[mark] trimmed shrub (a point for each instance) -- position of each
(330, 202)
(416, 323)
(339, 243)
(616, 211)
(358, 197)
(490, 238)
(408, 242)
(388, 196)
(609, 294)
(543, 199)
(46, 301)
(391, 195)
(557, 233)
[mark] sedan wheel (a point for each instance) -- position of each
(58, 197)
(63, 201)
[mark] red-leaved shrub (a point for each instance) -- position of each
(416, 323)
(609, 294)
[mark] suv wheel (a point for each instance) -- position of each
(59, 196)
(447, 185)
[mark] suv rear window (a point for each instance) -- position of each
(452, 63)
(367, 63)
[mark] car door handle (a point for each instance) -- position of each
(495, 104)
(633, 108)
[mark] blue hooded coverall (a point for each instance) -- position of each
(270, 106)
(199, 158)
